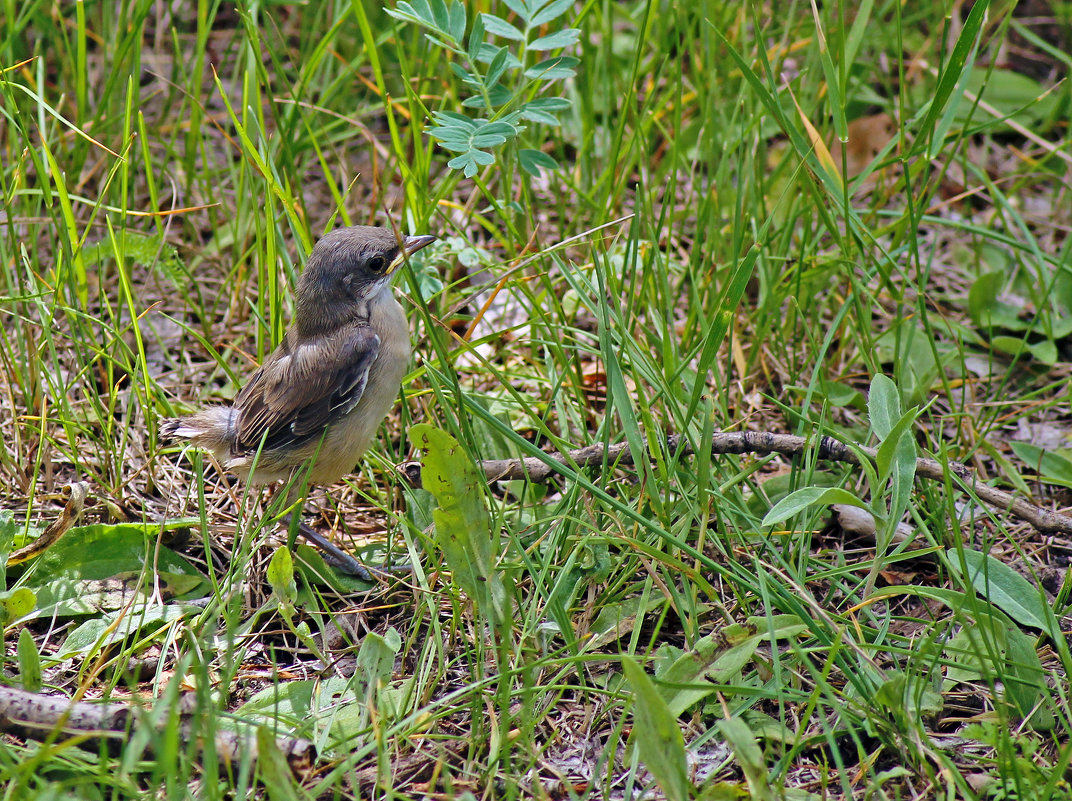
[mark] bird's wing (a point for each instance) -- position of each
(300, 389)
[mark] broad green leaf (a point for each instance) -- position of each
(896, 458)
(539, 117)
(462, 74)
(504, 130)
(310, 563)
(695, 674)
(543, 109)
(974, 653)
(898, 447)
(902, 465)
(1052, 467)
(297, 700)
(883, 405)
(463, 526)
(281, 575)
(29, 662)
(1024, 678)
(908, 697)
(1021, 660)
(375, 662)
(812, 496)
(16, 604)
(616, 619)
(1045, 352)
(1020, 668)
(454, 144)
(719, 658)
(103, 551)
(549, 104)
(837, 394)
(954, 599)
(1002, 654)
(1006, 589)
(986, 308)
(749, 757)
(143, 617)
(491, 138)
(417, 11)
(143, 249)
(657, 736)
(95, 568)
(273, 769)
(1014, 95)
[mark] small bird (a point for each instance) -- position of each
(317, 400)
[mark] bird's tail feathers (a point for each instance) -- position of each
(179, 428)
(211, 428)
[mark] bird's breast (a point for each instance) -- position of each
(349, 437)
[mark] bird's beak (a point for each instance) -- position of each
(410, 245)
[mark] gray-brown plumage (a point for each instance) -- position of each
(338, 368)
(318, 399)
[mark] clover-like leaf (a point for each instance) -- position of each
(556, 40)
(497, 26)
(495, 75)
(550, 12)
(532, 161)
(497, 96)
(470, 162)
(541, 110)
(497, 67)
(493, 134)
(553, 69)
(456, 21)
(520, 8)
(488, 52)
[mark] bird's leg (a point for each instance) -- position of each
(334, 555)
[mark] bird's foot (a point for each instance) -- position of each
(340, 559)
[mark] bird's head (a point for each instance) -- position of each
(347, 268)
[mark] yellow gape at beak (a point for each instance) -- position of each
(410, 245)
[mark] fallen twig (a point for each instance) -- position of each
(41, 717)
(542, 469)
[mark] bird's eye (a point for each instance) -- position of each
(377, 264)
